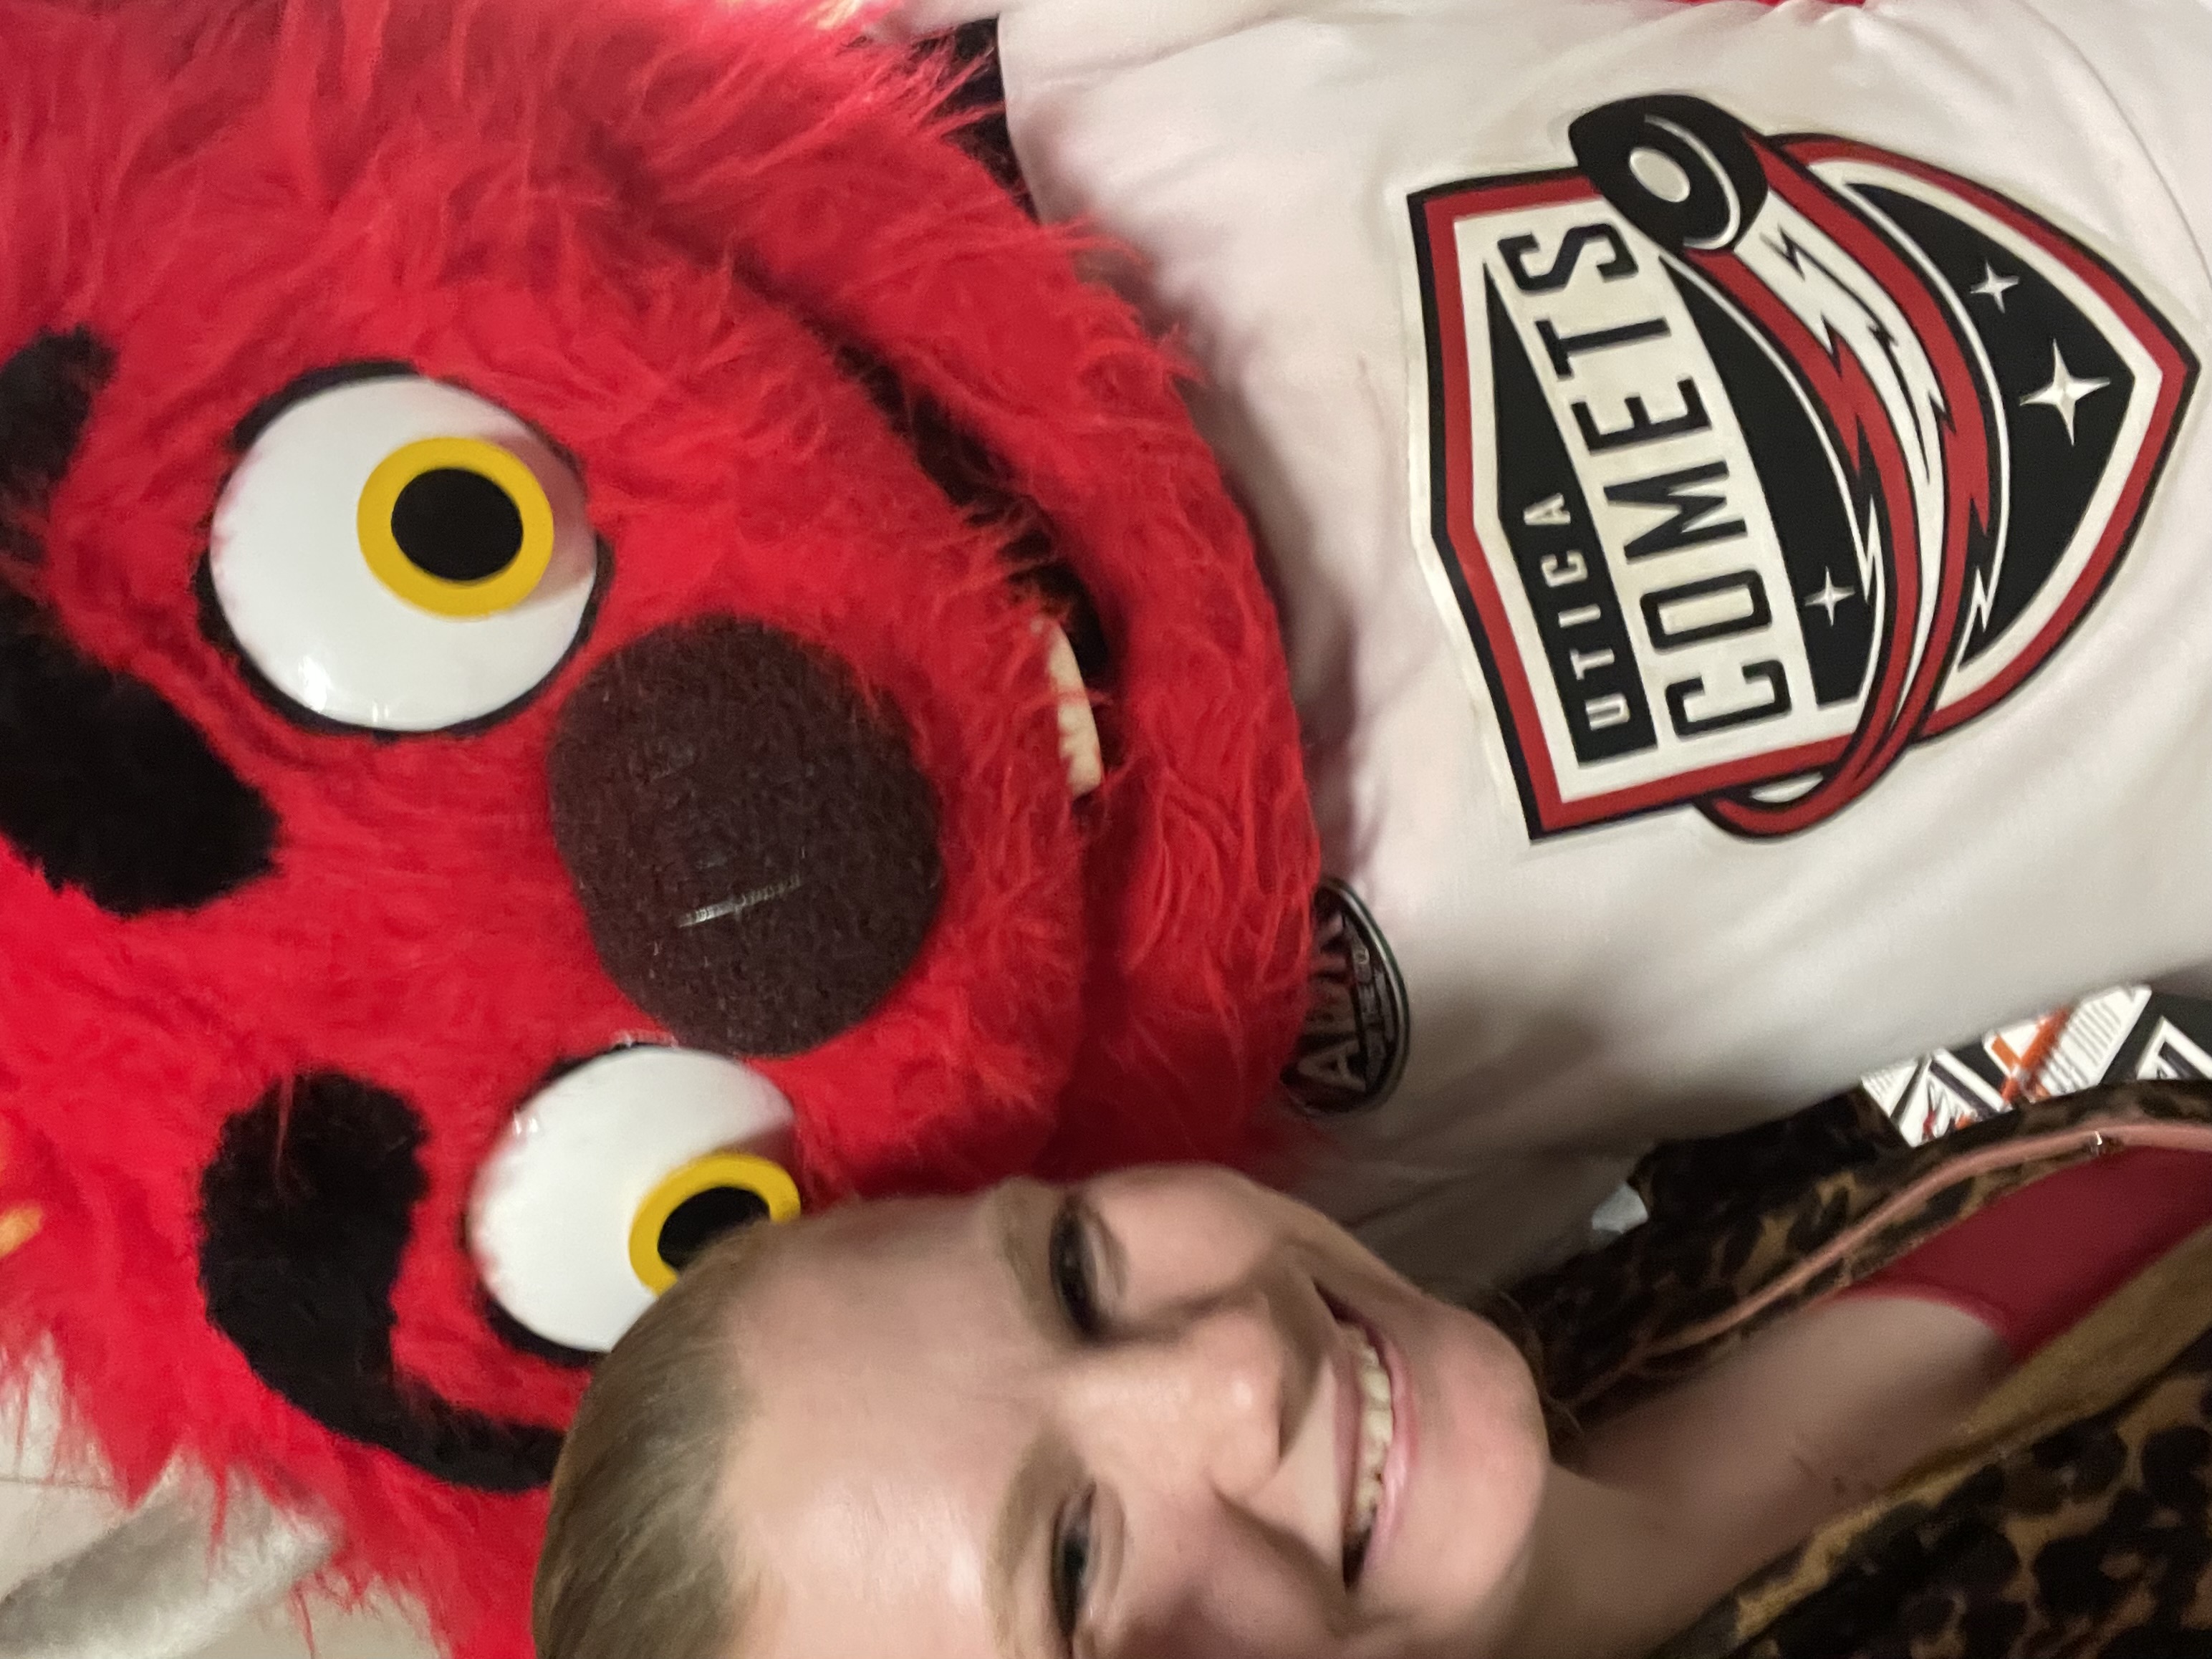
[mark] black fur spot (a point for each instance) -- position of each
(103, 785)
(2177, 1471)
(304, 1213)
(2088, 1458)
(1991, 1630)
(2084, 1577)
(981, 95)
(45, 399)
(106, 788)
(2163, 1642)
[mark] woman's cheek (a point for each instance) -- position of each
(1479, 1464)
(1238, 1602)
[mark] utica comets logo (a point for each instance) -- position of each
(1756, 461)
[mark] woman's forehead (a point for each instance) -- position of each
(840, 1552)
(889, 1415)
(855, 1313)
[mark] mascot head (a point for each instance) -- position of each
(597, 639)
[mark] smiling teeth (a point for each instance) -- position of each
(1378, 1424)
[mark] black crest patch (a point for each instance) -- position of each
(1352, 1050)
(1755, 461)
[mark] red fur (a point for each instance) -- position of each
(631, 221)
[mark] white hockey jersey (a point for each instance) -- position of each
(1733, 480)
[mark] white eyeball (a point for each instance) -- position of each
(614, 1176)
(401, 555)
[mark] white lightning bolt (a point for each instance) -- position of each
(1836, 299)
(1979, 607)
(1833, 295)
(1870, 552)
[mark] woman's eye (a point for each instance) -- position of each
(1072, 1551)
(1073, 1280)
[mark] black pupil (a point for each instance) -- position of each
(456, 525)
(702, 1219)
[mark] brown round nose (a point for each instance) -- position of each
(754, 847)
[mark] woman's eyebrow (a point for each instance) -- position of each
(1021, 1215)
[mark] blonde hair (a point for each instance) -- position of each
(639, 1557)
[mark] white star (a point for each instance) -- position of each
(2063, 393)
(1992, 287)
(1830, 597)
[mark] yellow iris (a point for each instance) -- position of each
(741, 1181)
(457, 526)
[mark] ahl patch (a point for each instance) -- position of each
(1352, 1049)
(1756, 461)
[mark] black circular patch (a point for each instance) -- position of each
(457, 526)
(754, 847)
(702, 1219)
(1352, 1050)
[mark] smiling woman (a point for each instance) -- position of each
(1119, 1419)
(1165, 1410)
(1170, 1413)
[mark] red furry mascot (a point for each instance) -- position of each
(548, 554)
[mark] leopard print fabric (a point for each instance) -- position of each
(2090, 1535)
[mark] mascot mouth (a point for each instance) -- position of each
(1079, 747)
(1076, 655)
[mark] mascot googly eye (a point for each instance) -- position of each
(614, 1177)
(396, 555)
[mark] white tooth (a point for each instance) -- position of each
(1078, 730)
(1369, 1500)
(1377, 1427)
